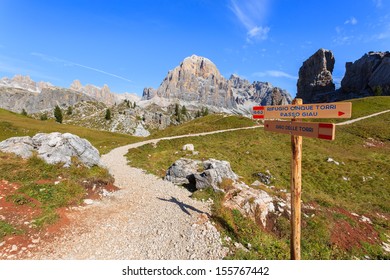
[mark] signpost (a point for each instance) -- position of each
(297, 129)
(319, 111)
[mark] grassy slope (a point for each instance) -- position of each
(251, 151)
(204, 124)
(12, 125)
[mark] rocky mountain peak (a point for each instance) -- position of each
(315, 75)
(76, 85)
(24, 82)
(198, 82)
(367, 74)
(199, 66)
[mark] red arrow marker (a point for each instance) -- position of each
(341, 113)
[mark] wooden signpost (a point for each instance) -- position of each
(297, 129)
(299, 110)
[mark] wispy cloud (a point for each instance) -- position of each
(275, 74)
(70, 63)
(351, 20)
(251, 14)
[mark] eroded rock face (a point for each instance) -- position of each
(256, 204)
(364, 75)
(197, 80)
(315, 76)
(53, 148)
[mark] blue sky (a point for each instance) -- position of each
(132, 44)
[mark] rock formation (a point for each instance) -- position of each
(315, 76)
(24, 82)
(53, 148)
(185, 171)
(369, 75)
(197, 81)
(102, 94)
(17, 99)
(256, 204)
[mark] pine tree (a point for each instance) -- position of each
(108, 114)
(58, 114)
(24, 113)
(206, 111)
(184, 110)
(177, 110)
(69, 111)
(197, 115)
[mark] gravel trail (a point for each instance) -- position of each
(147, 219)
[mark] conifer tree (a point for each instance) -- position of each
(58, 114)
(108, 114)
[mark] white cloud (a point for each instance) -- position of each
(259, 32)
(251, 14)
(352, 21)
(69, 63)
(275, 74)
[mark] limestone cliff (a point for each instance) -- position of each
(369, 75)
(198, 81)
(315, 76)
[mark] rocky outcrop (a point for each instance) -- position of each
(369, 75)
(16, 99)
(24, 82)
(256, 204)
(103, 94)
(199, 174)
(197, 81)
(53, 148)
(315, 76)
(141, 131)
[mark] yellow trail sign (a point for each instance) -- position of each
(311, 111)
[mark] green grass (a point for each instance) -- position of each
(204, 124)
(7, 229)
(15, 125)
(252, 151)
(36, 180)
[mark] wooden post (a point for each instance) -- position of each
(296, 186)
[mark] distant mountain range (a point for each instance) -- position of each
(21, 92)
(195, 83)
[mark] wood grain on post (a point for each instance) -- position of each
(296, 186)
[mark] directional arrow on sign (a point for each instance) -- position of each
(341, 113)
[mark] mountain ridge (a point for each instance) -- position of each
(197, 79)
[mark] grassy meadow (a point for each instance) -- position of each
(359, 184)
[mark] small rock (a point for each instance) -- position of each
(56, 182)
(365, 219)
(88, 201)
(14, 248)
(35, 241)
(345, 178)
(2, 243)
(188, 147)
(332, 160)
